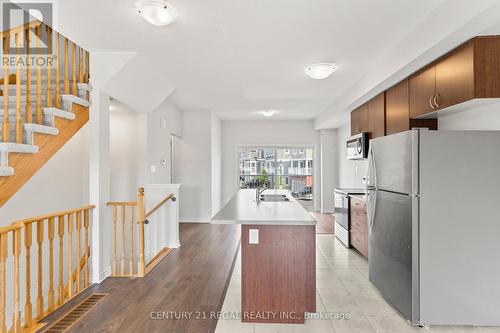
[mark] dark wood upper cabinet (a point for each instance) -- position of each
(469, 72)
(455, 77)
(363, 118)
(422, 91)
(359, 120)
(376, 116)
(487, 66)
(355, 122)
(397, 108)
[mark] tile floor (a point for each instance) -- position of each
(342, 286)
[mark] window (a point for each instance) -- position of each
(278, 168)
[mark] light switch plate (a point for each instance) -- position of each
(152, 168)
(253, 236)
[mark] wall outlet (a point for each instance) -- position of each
(357, 168)
(253, 236)
(152, 168)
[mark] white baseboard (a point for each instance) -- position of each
(104, 274)
(174, 245)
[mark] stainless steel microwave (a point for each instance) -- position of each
(357, 147)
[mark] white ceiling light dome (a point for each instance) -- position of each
(268, 113)
(320, 70)
(158, 13)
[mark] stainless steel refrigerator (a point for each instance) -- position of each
(434, 225)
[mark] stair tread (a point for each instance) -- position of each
(75, 99)
(6, 171)
(84, 86)
(53, 111)
(11, 147)
(42, 129)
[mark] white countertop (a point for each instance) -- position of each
(243, 209)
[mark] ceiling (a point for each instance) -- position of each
(239, 57)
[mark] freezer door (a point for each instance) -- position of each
(390, 249)
(395, 163)
(460, 228)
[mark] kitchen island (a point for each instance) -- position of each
(278, 249)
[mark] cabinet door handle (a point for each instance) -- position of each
(430, 102)
(437, 100)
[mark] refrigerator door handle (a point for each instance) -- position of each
(370, 207)
(370, 189)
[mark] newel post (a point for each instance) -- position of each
(140, 221)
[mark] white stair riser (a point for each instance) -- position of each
(4, 159)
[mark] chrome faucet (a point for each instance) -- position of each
(258, 192)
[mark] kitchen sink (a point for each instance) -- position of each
(274, 197)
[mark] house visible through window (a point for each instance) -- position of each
(277, 168)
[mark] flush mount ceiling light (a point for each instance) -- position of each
(321, 70)
(158, 12)
(268, 113)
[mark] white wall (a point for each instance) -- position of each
(165, 121)
(192, 169)
(262, 133)
(216, 166)
(484, 118)
(329, 169)
(350, 173)
(128, 155)
(61, 184)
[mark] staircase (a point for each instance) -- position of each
(43, 107)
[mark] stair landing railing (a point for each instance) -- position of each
(70, 63)
(68, 272)
(123, 257)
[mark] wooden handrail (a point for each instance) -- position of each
(21, 28)
(9, 228)
(121, 203)
(170, 196)
(61, 213)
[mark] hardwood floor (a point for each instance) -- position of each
(326, 223)
(192, 280)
